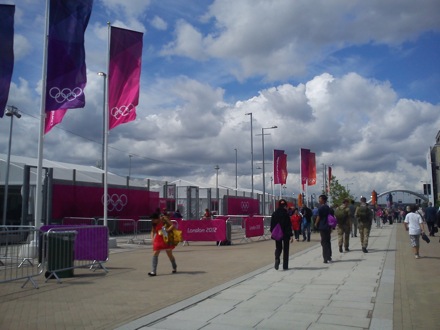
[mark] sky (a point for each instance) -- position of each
(355, 81)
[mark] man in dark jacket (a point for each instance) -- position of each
(280, 216)
(431, 217)
(324, 229)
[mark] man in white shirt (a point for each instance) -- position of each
(414, 225)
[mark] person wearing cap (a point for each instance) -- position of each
(280, 216)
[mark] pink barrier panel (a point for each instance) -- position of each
(90, 243)
(254, 226)
(203, 230)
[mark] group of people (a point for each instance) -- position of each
(350, 219)
(346, 214)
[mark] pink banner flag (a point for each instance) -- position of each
(53, 118)
(304, 166)
(311, 180)
(124, 75)
(279, 167)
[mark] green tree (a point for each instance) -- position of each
(338, 192)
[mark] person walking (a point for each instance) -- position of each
(306, 223)
(342, 214)
(324, 229)
(207, 215)
(162, 225)
(280, 216)
(296, 220)
(414, 225)
(431, 217)
(364, 216)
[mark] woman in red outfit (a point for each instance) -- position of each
(296, 219)
(162, 225)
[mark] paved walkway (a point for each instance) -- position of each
(236, 287)
(356, 291)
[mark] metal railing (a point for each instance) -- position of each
(18, 251)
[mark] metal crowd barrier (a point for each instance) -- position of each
(79, 221)
(266, 221)
(64, 248)
(118, 227)
(18, 249)
(143, 230)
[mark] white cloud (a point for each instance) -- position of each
(158, 23)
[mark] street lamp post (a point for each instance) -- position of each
(216, 185)
(252, 157)
(129, 167)
(104, 75)
(264, 173)
(105, 147)
(11, 111)
(236, 173)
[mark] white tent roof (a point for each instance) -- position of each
(61, 171)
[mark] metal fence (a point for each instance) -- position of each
(18, 254)
(64, 248)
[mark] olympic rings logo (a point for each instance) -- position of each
(122, 111)
(65, 94)
(244, 206)
(115, 202)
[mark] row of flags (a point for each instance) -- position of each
(65, 74)
(308, 167)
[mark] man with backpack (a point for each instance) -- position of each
(342, 214)
(365, 219)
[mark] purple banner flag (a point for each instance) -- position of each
(6, 53)
(66, 66)
(124, 75)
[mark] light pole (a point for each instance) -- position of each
(252, 157)
(216, 184)
(236, 173)
(104, 165)
(11, 111)
(129, 167)
(104, 75)
(264, 173)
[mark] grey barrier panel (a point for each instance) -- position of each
(18, 251)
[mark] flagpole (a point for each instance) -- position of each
(106, 121)
(39, 183)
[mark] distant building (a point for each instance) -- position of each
(433, 168)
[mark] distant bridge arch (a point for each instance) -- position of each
(421, 196)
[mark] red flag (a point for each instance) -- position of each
(124, 75)
(279, 167)
(304, 166)
(283, 162)
(311, 180)
(53, 118)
